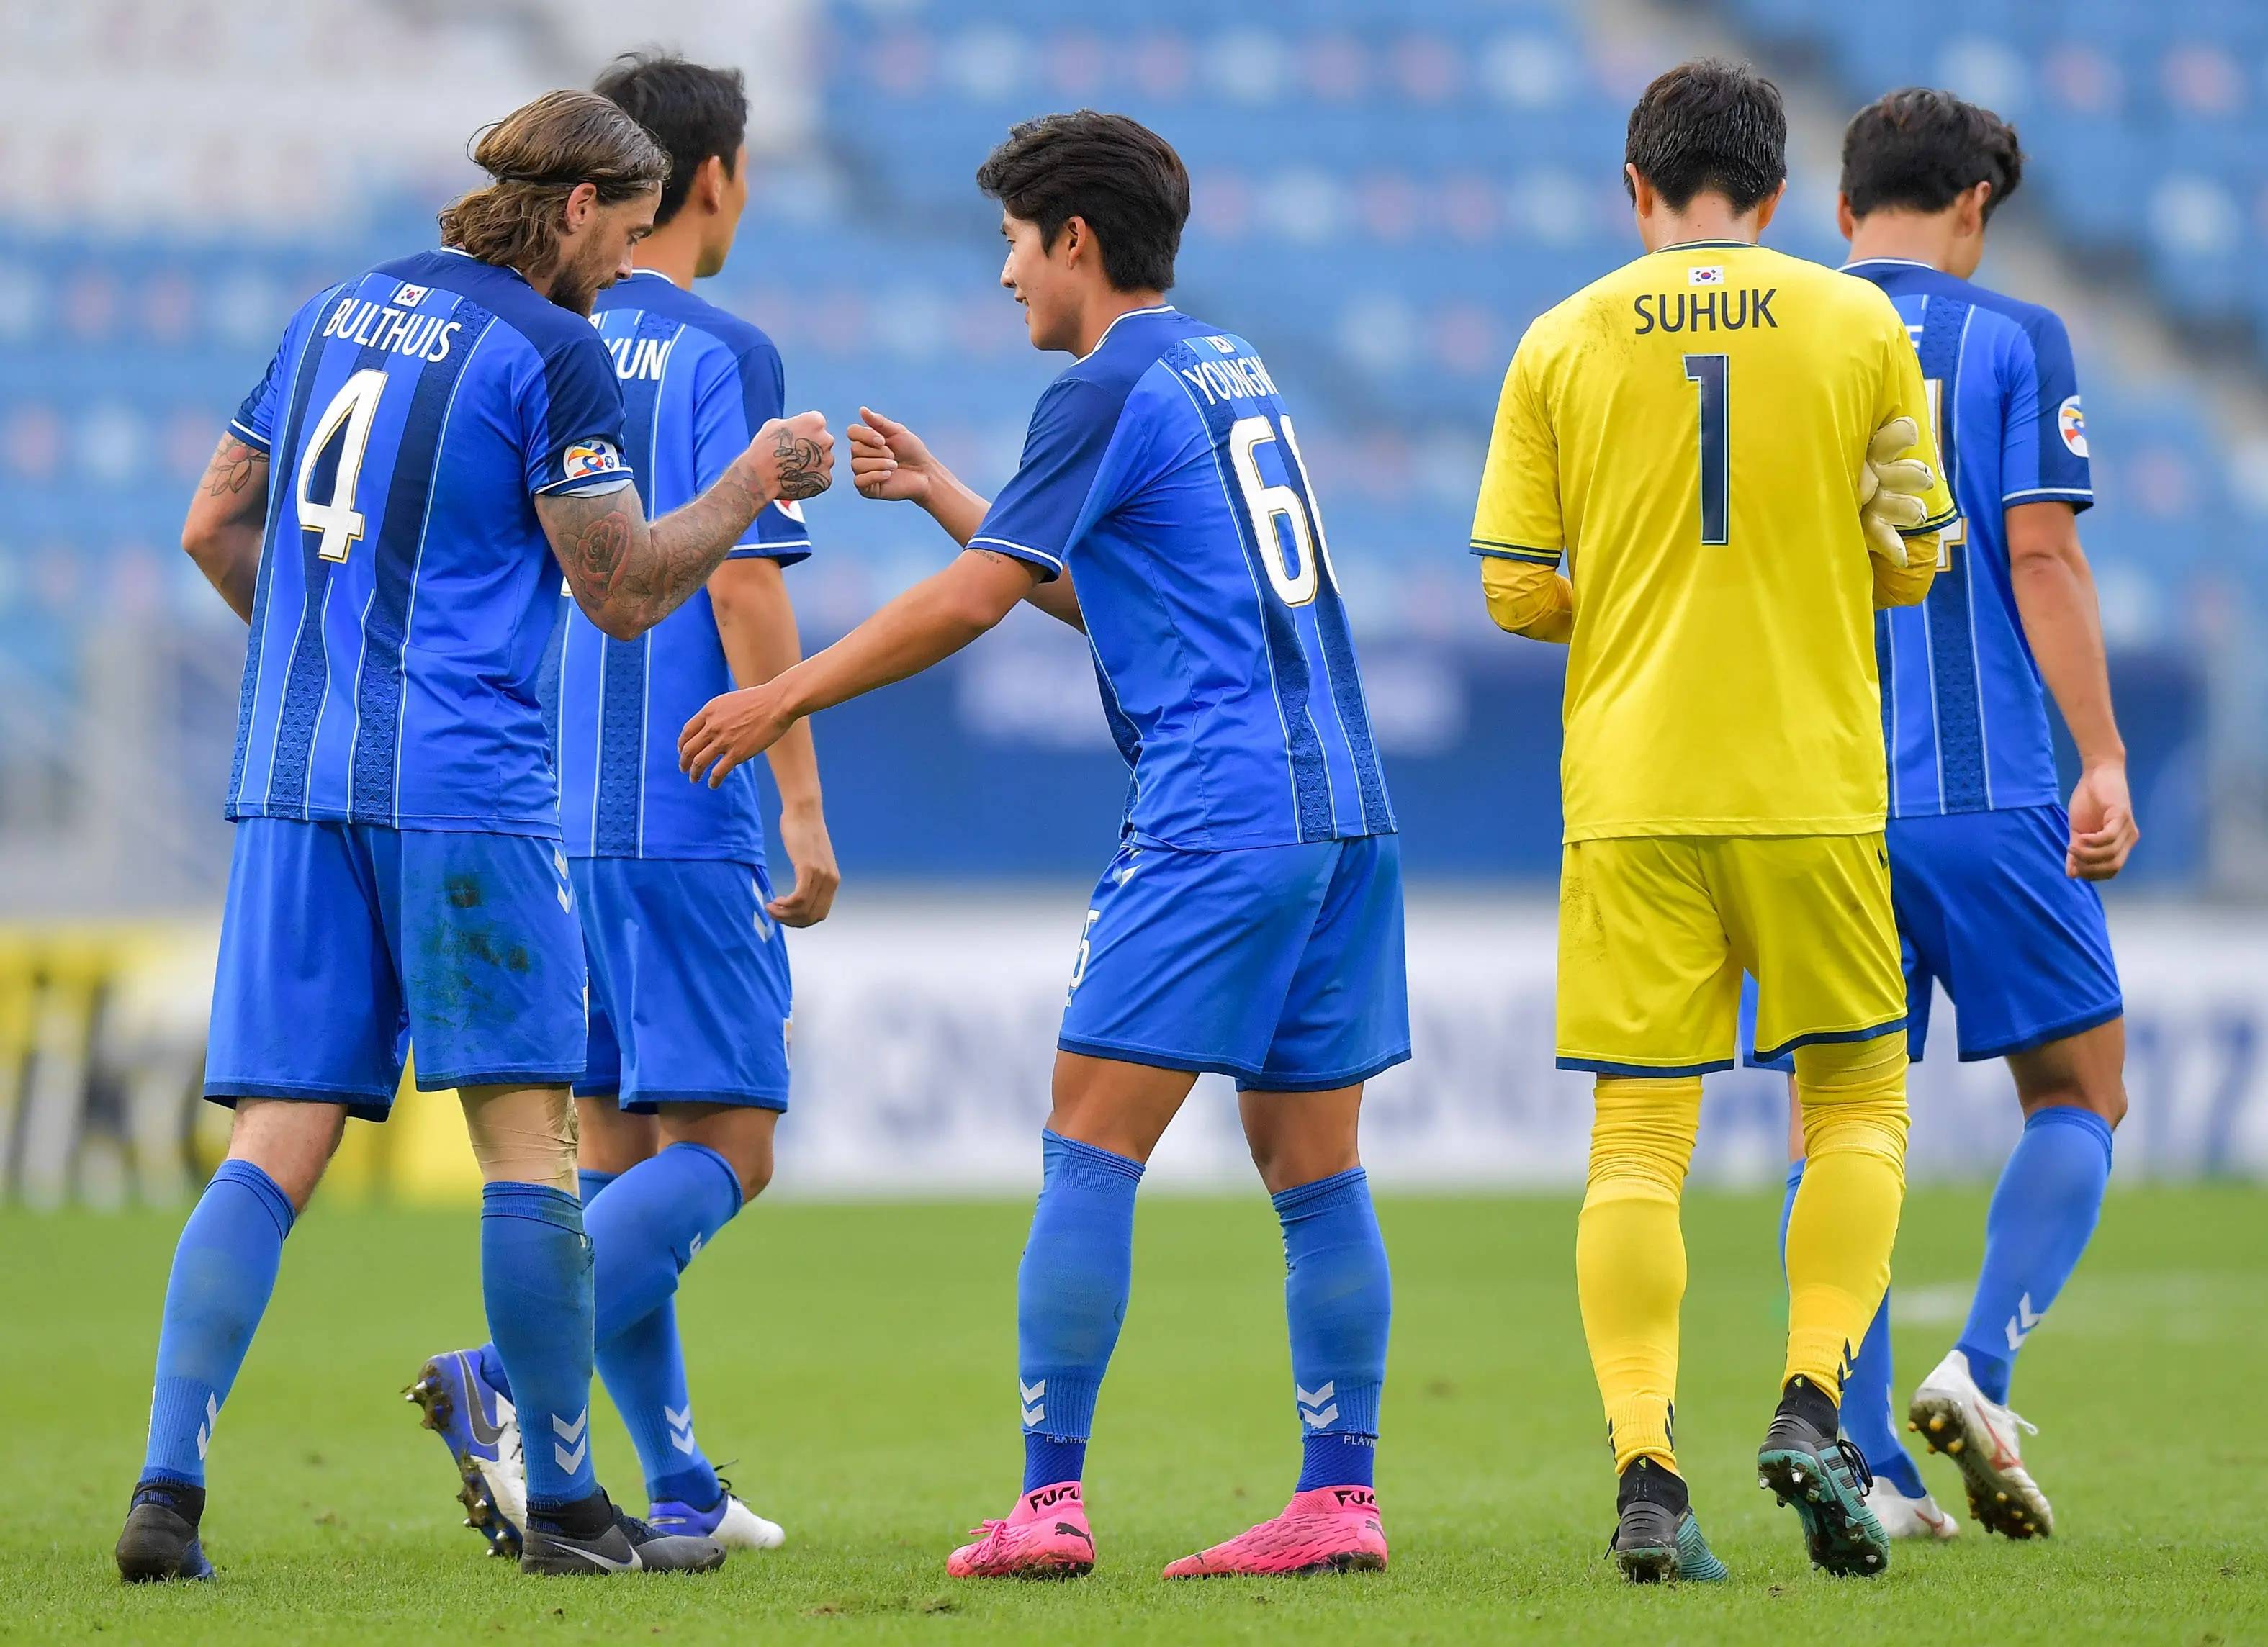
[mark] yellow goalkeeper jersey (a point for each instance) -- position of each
(1691, 433)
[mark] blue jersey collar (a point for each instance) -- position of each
(1155, 308)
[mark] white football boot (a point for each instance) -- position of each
(1905, 1517)
(1952, 1416)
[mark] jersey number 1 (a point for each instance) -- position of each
(347, 420)
(1707, 373)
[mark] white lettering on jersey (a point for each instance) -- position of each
(1241, 378)
(370, 325)
(640, 356)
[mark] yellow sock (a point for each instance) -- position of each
(1846, 1219)
(1630, 1256)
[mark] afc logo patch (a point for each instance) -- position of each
(2071, 423)
(590, 457)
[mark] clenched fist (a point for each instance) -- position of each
(793, 457)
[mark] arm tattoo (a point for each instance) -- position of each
(630, 576)
(797, 459)
(235, 465)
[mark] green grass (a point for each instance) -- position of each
(859, 1361)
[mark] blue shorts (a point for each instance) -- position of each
(1984, 907)
(1280, 966)
(342, 944)
(690, 995)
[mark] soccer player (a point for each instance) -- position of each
(687, 1072)
(1251, 921)
(1698, 434)
(434, 441)
(1992, 880)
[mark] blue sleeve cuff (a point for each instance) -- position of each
(1022, 552)
(588, 485)
(786, 552)
(251, 437)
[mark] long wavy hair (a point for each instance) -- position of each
(537, 155)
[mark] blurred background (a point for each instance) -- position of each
(1384, 196)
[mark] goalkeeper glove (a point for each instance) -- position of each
(1890, 488)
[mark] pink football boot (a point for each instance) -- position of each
(1323, 1530)
(1045, 1536)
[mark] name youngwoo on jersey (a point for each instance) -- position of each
(372, 325)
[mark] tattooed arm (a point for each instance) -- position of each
(227, 519)
(628, 575)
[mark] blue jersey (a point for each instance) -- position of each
(697, 386)
(406, 596)
(1963, 712)
(1163, 473)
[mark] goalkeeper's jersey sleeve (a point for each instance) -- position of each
(1690, 432)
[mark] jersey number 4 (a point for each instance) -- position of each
(346, 420)
(1295, 583)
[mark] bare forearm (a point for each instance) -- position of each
(922, 627)
(628, 575)
(757, 624)
(227, 522)
(2063, 620)
(230, 563)
(953, 506)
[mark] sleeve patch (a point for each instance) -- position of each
(589, 460)
(2071, 423)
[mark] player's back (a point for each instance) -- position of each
(697, 383)
(1963, 712)
(1691, 430)
(1163, 471)
(406, 594)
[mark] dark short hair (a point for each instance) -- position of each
(692, 112)
(1919, 148)
(1709, 126)
(1122, 178)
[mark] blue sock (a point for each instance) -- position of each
(1338, 1297)
(224, 1269)
(2043, 1211)
(644, 1230)
(1070, 1297)
(535, 1278)
(1870, 1417)
(492, 1370)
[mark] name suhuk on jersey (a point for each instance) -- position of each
(1705, 311)
(372, 325)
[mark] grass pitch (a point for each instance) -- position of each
(858, 1361)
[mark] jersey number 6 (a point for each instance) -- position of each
(1296, 584)
(352, 410)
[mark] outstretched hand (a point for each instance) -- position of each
(729, 728)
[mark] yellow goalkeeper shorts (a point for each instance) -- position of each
(1655, 932)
